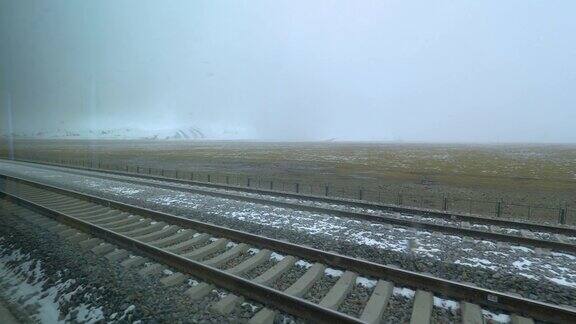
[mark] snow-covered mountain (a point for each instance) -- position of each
(117, 133)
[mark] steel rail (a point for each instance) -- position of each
(293, 305)
(448, 288)
(417, 224)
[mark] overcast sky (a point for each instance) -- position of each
(483, 71)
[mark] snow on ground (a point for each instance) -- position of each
(404, 292)
(276, 256)
(496, 317)
(27, 289)
(446, 303)
(333, 272)
(368, 283)
(477, 263)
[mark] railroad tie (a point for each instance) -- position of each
(79, 237)
(57, 227)
(471, 313)
(86, 208)
(103, 248)
(276, 271)
(77, 208)
(199, 291)
(126, 220)
(145, 230)
(69, 232)
(251, 263)
(158, 235)
(173, 239)
(213, 247)
(517, 319)
(107, 220)
(228, 255)
(89, 243)
(130, 227)
(117, 255)
(104, 212)
(183, 246)
(264, 316)
(422, 309)
(339, 291)
(133, 262)
(173, 279)
(152, 269)
(227, 304)
(297, 289)
(66, 206)
(304, 283)
(374, 310)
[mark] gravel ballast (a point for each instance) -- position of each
(548, 277)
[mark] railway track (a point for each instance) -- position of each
(552, 237)
(198, 249)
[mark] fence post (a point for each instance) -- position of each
(208, 177)
(248, 182)
(326, 190)
(360, 194)
(445, 203)
(562, 215)
(297, 187)
(271, 185)
(499, 208)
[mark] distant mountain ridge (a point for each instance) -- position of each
(189, 133)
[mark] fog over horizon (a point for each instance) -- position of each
(432, 71)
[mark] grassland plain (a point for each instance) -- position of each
(532, 174)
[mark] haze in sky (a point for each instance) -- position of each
(481, 71)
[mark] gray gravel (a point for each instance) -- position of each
(354, 303)
(402, 310)
(236, 261)
(442, 316)
(320, 288)
(515, 269)
(289, 277)
(260, 269)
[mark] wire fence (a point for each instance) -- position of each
(562, 214)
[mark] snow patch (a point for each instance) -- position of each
(333, 272)
(368, 283)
